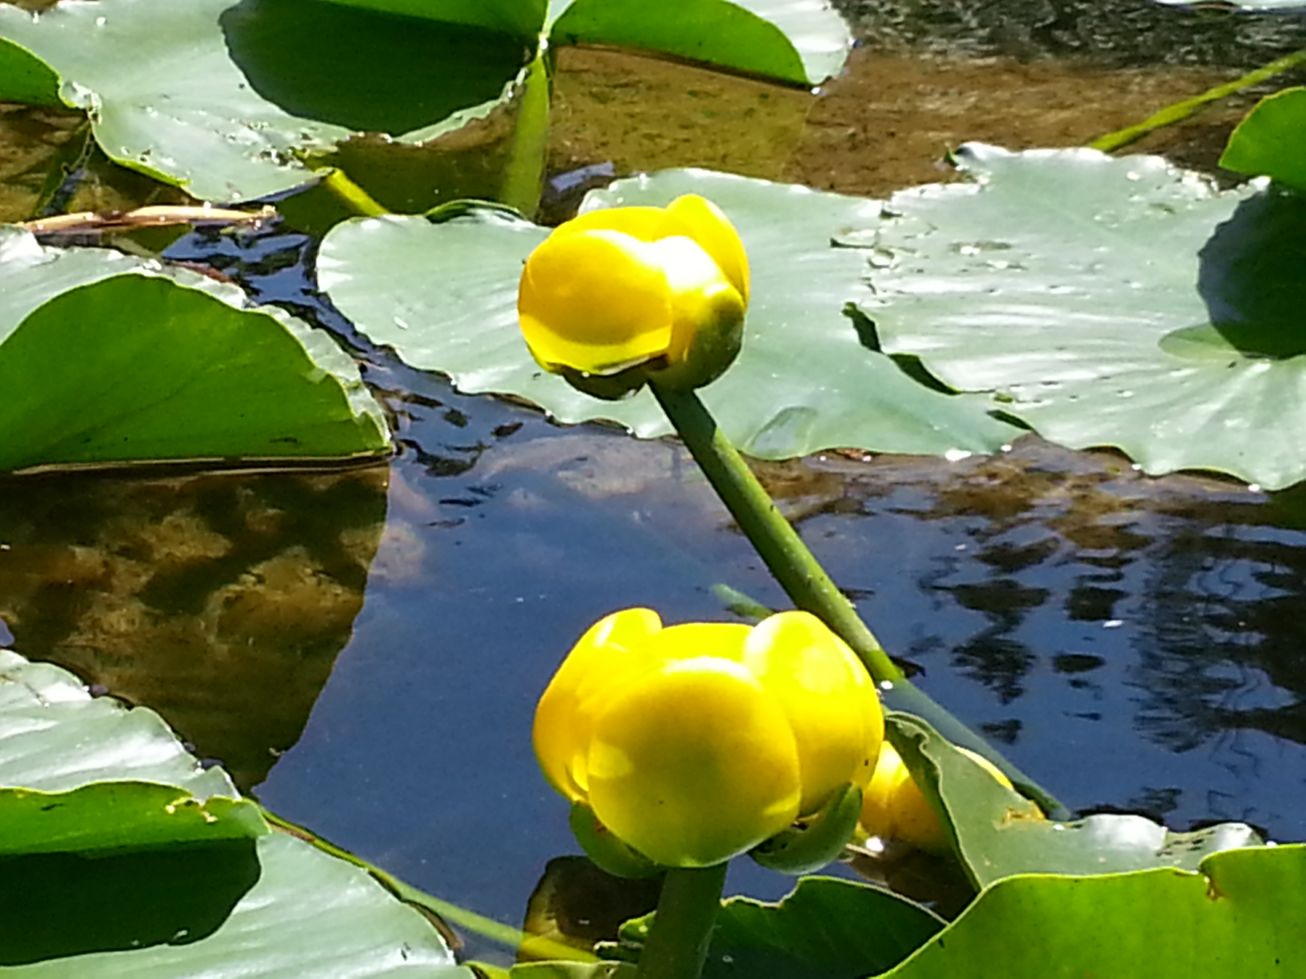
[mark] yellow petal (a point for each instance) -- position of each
(701, 295)
(644, 223)
(827, 696)
(694, 764)
(595, 301)
(707, 224)
(613, 648)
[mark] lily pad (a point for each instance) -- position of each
(1107, 302)
(214, 904)
(443, 295)
(225, 99)
(824, 929)
(1271, 139)
(109, 359)
(998, 833)
(1234, 917)
(79, 773)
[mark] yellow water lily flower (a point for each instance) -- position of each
(894, 807)
(694, 743)
(619, 296)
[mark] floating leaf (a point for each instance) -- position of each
(224, 99)
(109, 359)
(79, 773)
(1000, 834)
(444, 296)
(1107, 302)
(824, 929)
(1271, 139)
(215, 906)
(1233, 918)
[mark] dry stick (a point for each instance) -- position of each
(1188, 107)
(154, 216)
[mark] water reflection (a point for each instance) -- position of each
(219, 601)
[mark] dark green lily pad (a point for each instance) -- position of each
(225, 99)
(1107, 302)
(105, 359)
(1271, 139)
(1000, 834)
(804, 382)
(824, 929)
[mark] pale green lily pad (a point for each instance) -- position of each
(998, 834)
(444, 295)
(1107, 302)
(79, 773)
(215, 895)
(108, 359)
(1235, 917)
(1271, 139)
(224, 99)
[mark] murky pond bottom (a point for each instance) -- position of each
(364, 649)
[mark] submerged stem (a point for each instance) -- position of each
(351, 195)
(677, 946)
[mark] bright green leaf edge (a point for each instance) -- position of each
(169, 365)
(997, 833)
(804, 381)
(306, 913)
(1235, 917)
(1271, 139)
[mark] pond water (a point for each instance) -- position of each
(364, 649)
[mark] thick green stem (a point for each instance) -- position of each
(806, 582)
(776, 541)
(351, 195)
(682, 928)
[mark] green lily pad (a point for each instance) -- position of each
(109, 359)
(1107, 302)
(1271, 139)
(802, 44)
(225, 99)
(1235, 917)
(79, 773)
(219, 896)
(824, 929)
(520, 18)
(803, 383)
(998, 833)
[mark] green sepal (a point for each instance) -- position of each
(602, 846)
(819, 841)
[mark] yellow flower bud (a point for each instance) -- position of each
(694, 743)
(894, 807)
(616, 297)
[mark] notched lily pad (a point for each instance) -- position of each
(803, 382)
(1107, 302)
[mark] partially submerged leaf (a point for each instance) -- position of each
(803, 382)
(1271, 139)
(998, 833)
(1107, 302)
(108, 359)
(1235, 917)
